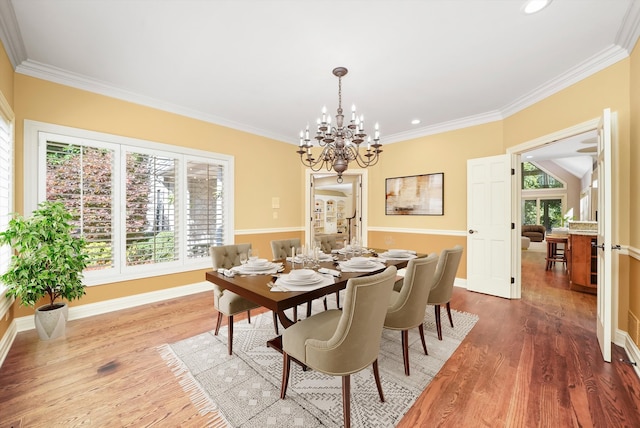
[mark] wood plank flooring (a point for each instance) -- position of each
(533, 362)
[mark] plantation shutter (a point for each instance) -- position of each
(6, 186)
(205, 207)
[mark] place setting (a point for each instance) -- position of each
(301, 280)
(360, 264)
(396, 254)
(251, 264)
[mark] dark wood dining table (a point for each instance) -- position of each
(255, 288)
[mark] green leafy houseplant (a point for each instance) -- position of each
(48, 259)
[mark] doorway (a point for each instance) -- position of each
(336, 208)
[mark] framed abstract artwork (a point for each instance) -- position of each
(415, 195)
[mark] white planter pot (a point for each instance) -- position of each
(51, 324)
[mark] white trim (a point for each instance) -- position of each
(106, 306)
(7, 340)
(274, 230)
(419, 231)
(10, 34)
(633, 252)
(623, 340)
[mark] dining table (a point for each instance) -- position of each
(258, 287)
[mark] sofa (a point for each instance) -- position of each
(535, 232)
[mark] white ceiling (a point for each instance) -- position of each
(265, 66)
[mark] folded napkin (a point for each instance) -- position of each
(227, 272)
(330, 272)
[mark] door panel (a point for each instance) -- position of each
(604, 310)
(489, 225)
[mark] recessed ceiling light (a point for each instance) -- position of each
(415, 121)
(533, 6)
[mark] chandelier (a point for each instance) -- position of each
(340, 143)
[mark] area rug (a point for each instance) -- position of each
(243, 390)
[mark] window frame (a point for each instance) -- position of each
(7, 114)
(35, 190)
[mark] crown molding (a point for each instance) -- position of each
(452, 125)
(630, 29)
(78, 81)
(10, 34)
(596, 63)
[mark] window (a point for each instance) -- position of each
(535, 178)
(144, 208)
(544, 211)
(6, 185)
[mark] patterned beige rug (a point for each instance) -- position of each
(243, 390)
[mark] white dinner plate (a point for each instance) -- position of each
(397, 255)
(285, 279)
(257, 268)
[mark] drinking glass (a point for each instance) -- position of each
(299, 258)
(243, 258)
(254, 254)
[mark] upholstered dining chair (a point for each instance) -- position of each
(281, 248)
(341, 342)
(407, 306)
(442, 287)
(224, 301)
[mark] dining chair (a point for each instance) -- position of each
(341, 342)
(281, 248)
(224, 301)
(407, 306)
(442, 287)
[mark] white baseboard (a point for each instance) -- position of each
(624, 340)
(7, 340)
(83, 311)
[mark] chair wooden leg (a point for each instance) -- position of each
(325, 303)
(249, 316)
(376, 375)
(449, 313)
(438, 323)
(286, 366)
(230, 338)
(424, 343)
(295, 314)
(275, 322)
(308, 309)
(218, 323)
(346, 400)
(404, 334)
(338, 299)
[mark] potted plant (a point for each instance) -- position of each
(48, 261)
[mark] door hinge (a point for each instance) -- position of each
(513, 171)
(513, 226)
(513, 280)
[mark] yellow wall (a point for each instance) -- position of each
(6, 76)
(266, 168)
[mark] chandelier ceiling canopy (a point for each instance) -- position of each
(340, 143)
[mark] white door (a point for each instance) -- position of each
(489, 225)
(604, 236)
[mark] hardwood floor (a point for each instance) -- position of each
(529, 362)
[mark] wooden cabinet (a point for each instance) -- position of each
(583, 263)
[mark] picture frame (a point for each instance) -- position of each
(415, 195)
